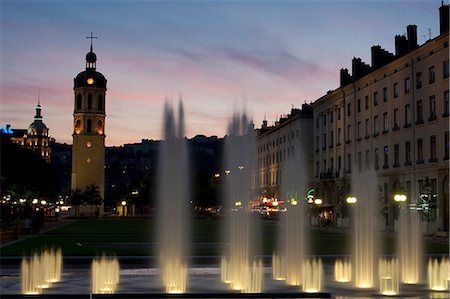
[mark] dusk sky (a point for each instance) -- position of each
(220, 56)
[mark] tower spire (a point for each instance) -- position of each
(91, 37)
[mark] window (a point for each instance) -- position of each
(446, 145)
(77, 125)
(432, 107)
(324, 169)
(419, 113)
(359, 161)
(349, 163)
(349, 133)
(376, 159)
(407, 153)
(324, 141)
(395, 89)
(367, 159)
(89, 101)
(407, 116)
(79, 102)
(445, 69)
(386, 156)
(366, 100)
(317, 143)
(339, 163)
(407, 85)
(100, 127)
(385, 123)
(385, 94)
(396, 120)
(317, 123)
(317, 169)
(331, 164)
(339, 113)
(418, 80)
(431, 75)
(419, 151)
(396, 155)
(367, 128)
(376, 126)
(446, 104)
(339, 133)
(100, 102)
(433, 149)
(324, 119)
(358, 130)
(89, 126)
(375, 98)
(348, 109)
(331, 138)
(331, 117)
(358, 105)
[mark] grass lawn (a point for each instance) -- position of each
(135, 237)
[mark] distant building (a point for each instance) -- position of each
(34, 138)
(290, 137)
(392, 116)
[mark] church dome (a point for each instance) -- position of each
(90, 78)
(37, 128)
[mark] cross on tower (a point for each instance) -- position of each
(91, 37)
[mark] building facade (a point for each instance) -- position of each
(289, 139)
(35, 138)
(88, 150)
(392, 117)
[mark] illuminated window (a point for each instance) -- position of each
(88, 144)
(89, 160)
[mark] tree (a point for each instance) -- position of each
(92, 197)
(76, 199)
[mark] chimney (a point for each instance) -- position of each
(411, 32)
(359, 68)
(401, 45)
(264, 125)
(380, 57)
(345, 77)
(443, 18)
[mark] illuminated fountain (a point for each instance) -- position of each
(173, 203)
(409, 243)
(292, 230)
(342, 270)
(239, 267)
(388, 273)
(312, 280)
(438, 274)
(105, 275)
(41, 271)
(364, 187)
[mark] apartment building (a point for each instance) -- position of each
(392, 116)
(289, 139)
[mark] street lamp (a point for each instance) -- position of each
(318, 201)
(351, 199)
(124, 203)
(35, 201)
(400, 197)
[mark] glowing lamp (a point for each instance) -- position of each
(237, 203)
(318, 201)
(351, 199)
(275, 203)
(43, 202)
(400, 197)
(124, 203)
(294, 202)
(35, 201)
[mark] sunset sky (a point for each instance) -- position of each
(220, 56)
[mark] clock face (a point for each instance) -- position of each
(90, 81)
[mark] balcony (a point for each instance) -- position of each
(432, 117)
(407, 163)
(406, 126)
(375, 135)
(419, 122)
(385, 132)
(396, 128)
(367, 137)
(420, 161)
(432, 160)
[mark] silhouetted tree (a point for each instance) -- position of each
(76, 199)
(92, 197)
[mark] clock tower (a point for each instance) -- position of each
(88, 150)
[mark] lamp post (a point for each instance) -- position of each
(351, 200)
(124, 204)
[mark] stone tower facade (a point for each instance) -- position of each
(88, 151)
